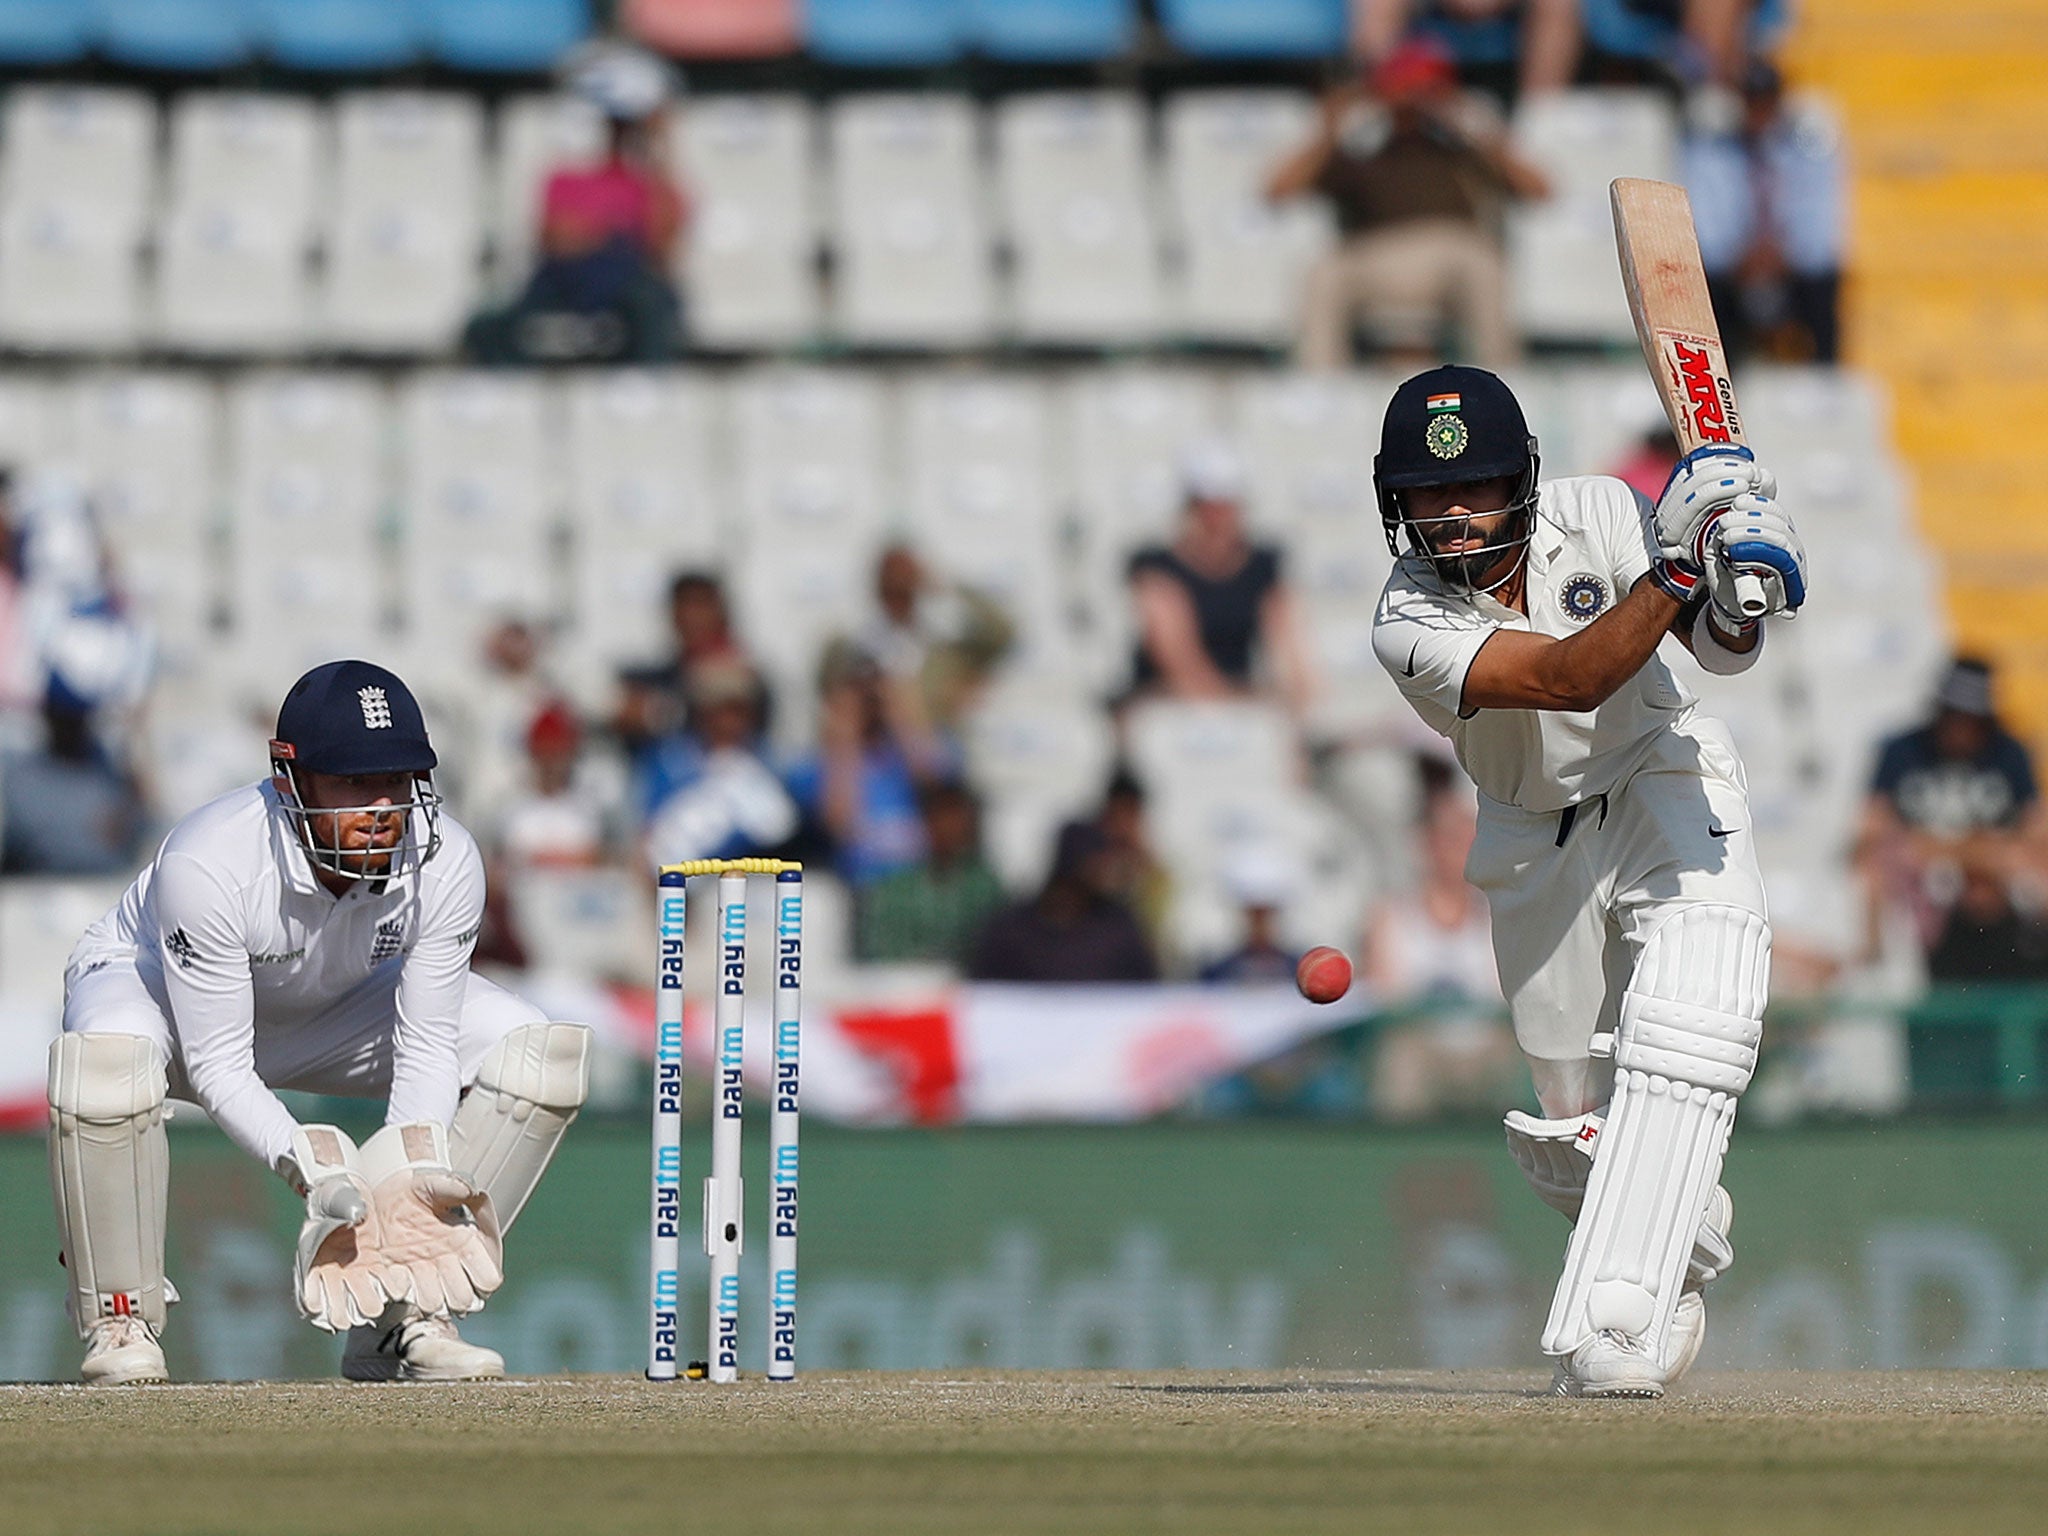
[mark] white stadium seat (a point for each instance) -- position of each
(1241, 260)
(642, 503)
(477, 496)
(308, 492)
(977, 487)
(69, 278)
(809, 486)
(1308, 442)
(243, 148)
(148, 446)
(79, 144)
(403, 244)
(1194, 747)
(1077, 204)
(537, 135)
(1040, 751)
(1565, 276)
(34, 431)
(749, 266)
(910, 230)
(231, 278)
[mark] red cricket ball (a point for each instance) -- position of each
(1324, 975)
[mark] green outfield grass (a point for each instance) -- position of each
(1179, 1453)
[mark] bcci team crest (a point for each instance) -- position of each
(1583, 598)
(1447, 434)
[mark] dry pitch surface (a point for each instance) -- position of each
(1180, 1453)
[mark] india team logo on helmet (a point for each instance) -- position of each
(1582, 597)
(1446, 434)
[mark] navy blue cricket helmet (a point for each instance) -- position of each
(1452, 426)
(354, 719)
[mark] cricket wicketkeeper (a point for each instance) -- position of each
(310, 931)
(1522, 622)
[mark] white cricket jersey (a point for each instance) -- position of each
(1590, 541)
(232, 933)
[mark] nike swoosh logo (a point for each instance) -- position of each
(1721, 831)
(1409, 670)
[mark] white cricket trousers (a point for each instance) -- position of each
(345, 1049)
(1575, 895)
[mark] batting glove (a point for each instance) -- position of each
(1705, 485)
(1759, 542)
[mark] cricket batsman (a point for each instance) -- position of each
(310, 931)
(1614, 846)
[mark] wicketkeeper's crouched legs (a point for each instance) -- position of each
(1684, 1050)
(527, 1092)
(110, 1173)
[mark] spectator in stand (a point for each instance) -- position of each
(1417, 175)
(1648, 465)
(1215, 620)
(1505, 47)
(861, 785)
(1954, 810)
(1682, 43)
(1261, 880)
(1430, 949)
(1769, 193)
(66, 807)
(1136, 875)
(653, 710)
(935, 642)
(724, 801)
(932, 910)
(559, 820)
(602, 291)
(1074, 930)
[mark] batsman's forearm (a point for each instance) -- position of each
(1585, 669)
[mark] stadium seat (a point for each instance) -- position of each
(749, 271)
(1076, 197)
(978, 494)
(1306, 439)
(1241, 260)
(307, 489)
(886, 32)
(1256, 29)
(1565, 277)
(1039, 749)
(33, 431)
(231, 279)
(45, 31)
(536, 134)
(339, 36)
(476, 493)
(503, 36)
(716, 29)
(148, 448)
(810, 492)
(914, 265)
(173, 34)
(80, 145)
(642, 504)
(1052, 31)
(402, 267)
(69, 279)
(246, 148)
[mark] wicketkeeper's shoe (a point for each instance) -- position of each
(404, 1346)
(122, 1352)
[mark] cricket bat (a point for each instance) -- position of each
(1667, 297)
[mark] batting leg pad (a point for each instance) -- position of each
(1556, 1157)
(525, 1096)
(110, 1171)
(1684, 1051)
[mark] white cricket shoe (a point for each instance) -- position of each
(1610, 1364)
(404, 1346)
(122, 1352)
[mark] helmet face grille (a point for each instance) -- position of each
(319, 829)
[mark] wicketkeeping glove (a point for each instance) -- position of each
(337, 1271)
(438, 1232)
(1704, 486)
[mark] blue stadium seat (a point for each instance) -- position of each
(902, 32)
(507, 35)
(1053, 31)
(44, 31)
(339, 34)
(174, 34)
(1256, 29)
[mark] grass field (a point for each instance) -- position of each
(1183, 1453)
